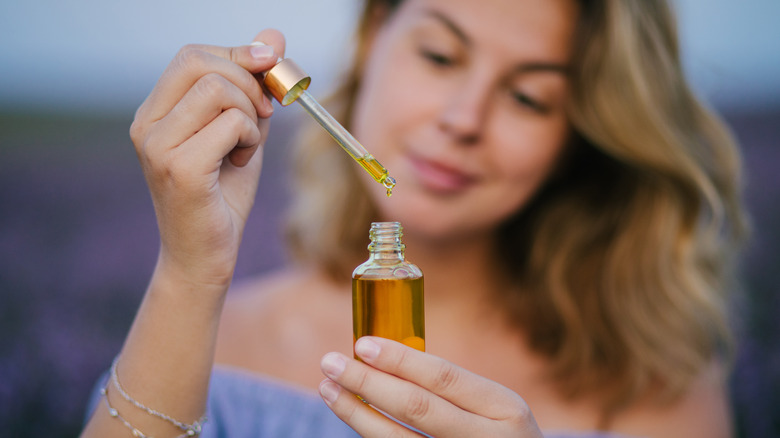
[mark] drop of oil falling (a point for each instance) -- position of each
(389, 183)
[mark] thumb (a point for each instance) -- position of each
(266, 48)
(273, 38)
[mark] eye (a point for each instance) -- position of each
(437, 58)
(529, 102)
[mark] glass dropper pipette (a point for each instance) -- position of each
(287, 83)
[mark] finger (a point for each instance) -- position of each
(401, 399)
(237, 64)
(274, 38)
(192, 63)
(208, 98)
(241, 155)
(261, 58)
(204, 152)
(361, 417)
(468, 391)
(267, 37)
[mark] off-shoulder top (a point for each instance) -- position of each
(243, 404)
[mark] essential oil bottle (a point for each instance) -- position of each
(387, 291)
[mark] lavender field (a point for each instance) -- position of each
(78, 241)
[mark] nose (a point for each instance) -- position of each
(465, 112)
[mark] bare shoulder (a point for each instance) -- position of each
(281, 324)
(251, 298)
(703, 411)
(250, 308)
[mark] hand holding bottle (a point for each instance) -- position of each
(421, 390)
(198, 136)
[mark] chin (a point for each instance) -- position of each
(427, 220)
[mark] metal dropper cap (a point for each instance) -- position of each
(286, 81)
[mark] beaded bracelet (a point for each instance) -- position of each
(190, 430)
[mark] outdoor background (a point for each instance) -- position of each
(77, 231)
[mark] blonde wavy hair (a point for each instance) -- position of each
(624, 258)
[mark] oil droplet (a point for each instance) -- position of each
(389, 183)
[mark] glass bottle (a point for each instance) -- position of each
(387, 291)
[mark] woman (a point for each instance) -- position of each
(571, 204)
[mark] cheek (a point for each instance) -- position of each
(526, 157)
(530, 151)
(373, 103)
(376, 115)
(394, 94)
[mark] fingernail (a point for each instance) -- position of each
(261, 52)
(367, 349)
(329, 391)
(269, 105)
(333, 365)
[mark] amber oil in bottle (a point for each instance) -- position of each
(387, 291)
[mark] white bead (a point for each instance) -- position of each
(113, 412)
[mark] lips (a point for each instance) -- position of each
(440, 177)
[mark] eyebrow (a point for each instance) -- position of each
(531, 67)
(449, 24)
(534, 67)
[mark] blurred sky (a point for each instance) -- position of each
(105, 55)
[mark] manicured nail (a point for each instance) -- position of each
(367, 349)
(261, 52)
(333, 365)
(329, 391)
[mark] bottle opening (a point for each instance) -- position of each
(386, 236)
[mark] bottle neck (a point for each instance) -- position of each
(386, 241)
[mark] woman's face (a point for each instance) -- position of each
(463, 103)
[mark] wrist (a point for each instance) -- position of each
(187, 281)
(201, 275)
